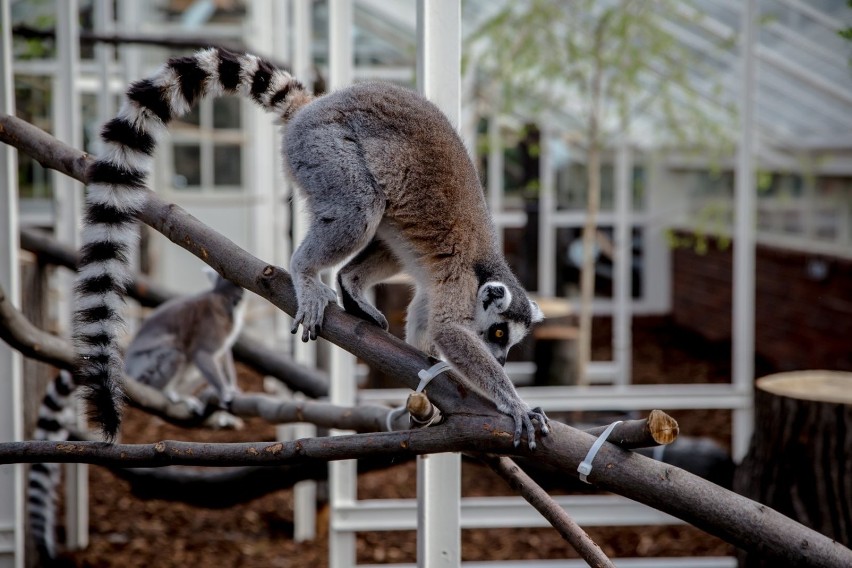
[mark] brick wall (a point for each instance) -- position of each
(803, 315)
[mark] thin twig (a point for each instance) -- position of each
(550, 510)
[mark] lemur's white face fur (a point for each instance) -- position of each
(499, 327)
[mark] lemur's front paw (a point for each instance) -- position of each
(523, 417)
(311, 310)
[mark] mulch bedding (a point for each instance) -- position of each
(126, 531)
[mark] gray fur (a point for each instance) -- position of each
(387, 178)
(187, 342)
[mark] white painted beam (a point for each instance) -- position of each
(439, 475)
(744, 236)
(343, 475)
(11, 385)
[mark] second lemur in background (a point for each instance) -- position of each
(186, 343)
(183, 345)
(386, 178)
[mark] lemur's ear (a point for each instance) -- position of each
(494, 295)
(537, 314)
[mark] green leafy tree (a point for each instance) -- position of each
(602, 66)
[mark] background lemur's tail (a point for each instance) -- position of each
(116, 194)
(44, 477)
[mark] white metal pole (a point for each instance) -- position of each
(304, 353)
(623, 275)
(11, 384)
(744, 238)
(343, 475)
(68, 200)
(546, 207)
(439, 475)
(495, 171)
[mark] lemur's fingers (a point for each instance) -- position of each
(530, 431)
(538, 414)
(519, 429)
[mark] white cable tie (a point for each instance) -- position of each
(585, 467)
(426, 375)
(391, 416)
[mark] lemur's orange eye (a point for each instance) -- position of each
(498, 333)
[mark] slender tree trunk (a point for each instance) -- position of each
(593, 198)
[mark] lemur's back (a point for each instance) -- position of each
(414, 159)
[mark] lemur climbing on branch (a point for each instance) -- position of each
(386, 178)
(182, 346)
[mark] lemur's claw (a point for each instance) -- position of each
(538, 414)
(523, 418)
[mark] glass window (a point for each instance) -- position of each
(187, 166)
(227, 165)
(226, 112)
(33, 99)
(208, 147)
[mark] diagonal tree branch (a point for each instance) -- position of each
(20, 333)
(550, 510)
(264, 360)
(472, 422)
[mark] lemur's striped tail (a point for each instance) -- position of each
(116, 194)
(44, 477)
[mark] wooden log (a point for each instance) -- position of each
(800, 458)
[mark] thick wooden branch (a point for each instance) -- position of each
(305, 451)
(35, 343)
(659, 429)
(383, 351)
(472, 423)
(550, 510)
(365, 418)
(264, 360)
(21, 334)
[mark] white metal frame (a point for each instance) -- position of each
(342, 475)
(68, 199)
(11, 366)
(439, 475)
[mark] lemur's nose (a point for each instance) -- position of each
(501, 360)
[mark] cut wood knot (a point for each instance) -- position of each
(160, 447)
(663, 428)
(421, 410)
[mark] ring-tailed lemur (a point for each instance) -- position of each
(183, 344)
(385, 176)
(187, 341)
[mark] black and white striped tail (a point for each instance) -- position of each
(44, 477)
(116, 194)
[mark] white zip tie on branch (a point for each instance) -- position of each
(585, 467)
(426, 376)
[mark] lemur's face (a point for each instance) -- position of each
(500, 324)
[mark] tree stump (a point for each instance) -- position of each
(800, 458)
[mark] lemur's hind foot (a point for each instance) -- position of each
(354, 303)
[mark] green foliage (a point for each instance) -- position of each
(847, 32)
(543, 58)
